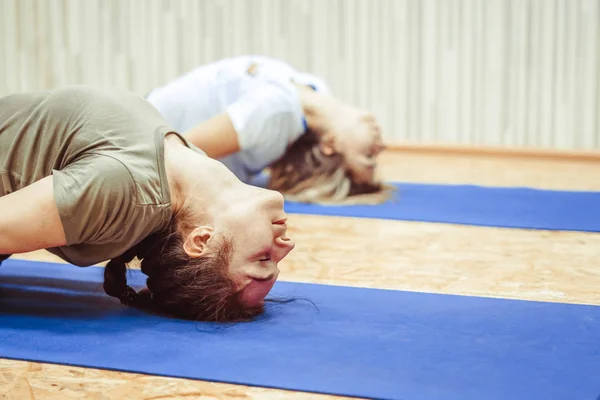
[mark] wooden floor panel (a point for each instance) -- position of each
(444, 258)
(21, 380)
(543, 173)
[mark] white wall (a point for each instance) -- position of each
(491, 72)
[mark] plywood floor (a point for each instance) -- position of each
(509, 263)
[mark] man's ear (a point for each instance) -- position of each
(196, 243)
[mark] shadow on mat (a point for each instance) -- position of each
(31, 296)
(32, 282)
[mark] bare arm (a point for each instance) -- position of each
(29, 219)
(216, 136)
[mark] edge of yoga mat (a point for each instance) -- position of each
(373, 343)
(514, 207)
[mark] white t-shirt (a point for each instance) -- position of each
(264, 106)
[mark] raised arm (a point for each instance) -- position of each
(263, 121)
(216, 137)
(29, 219)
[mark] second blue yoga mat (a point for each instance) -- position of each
(477, 205)
(360, 342)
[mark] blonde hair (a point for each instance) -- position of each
(305, 174)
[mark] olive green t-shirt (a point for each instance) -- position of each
(105, 149)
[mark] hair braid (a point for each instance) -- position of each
(4, 257)
(115, 278)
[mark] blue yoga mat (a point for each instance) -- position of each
(360, 342)
(477, 205)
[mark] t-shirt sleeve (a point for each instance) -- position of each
(267, 120)
(96, 200)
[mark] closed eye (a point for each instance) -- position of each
(266, 258)
(267, 279)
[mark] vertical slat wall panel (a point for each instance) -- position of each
(473, 72)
